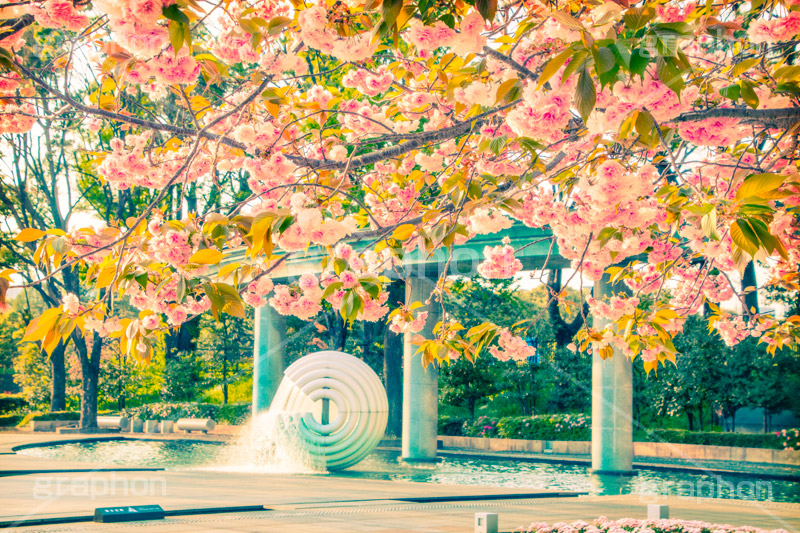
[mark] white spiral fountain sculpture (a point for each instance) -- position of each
(358, 408)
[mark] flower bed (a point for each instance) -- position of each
(632, 525)
(538, 427)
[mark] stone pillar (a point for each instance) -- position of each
(420, 383)
(612, 402)
(269, 354)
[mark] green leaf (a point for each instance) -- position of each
(645, 126)
(330, 289)
(749, 94)
(553, 65)
(604, 60)
(487, 9)
(744, 237)
(339, 266)
(622, 54)
(373, 288)
(390, 9)
(276, 25)
(669, 75)
(640, 59)
(759, 184)
(173, 12)
(708, 223)
(585, 94)
(497, 144)
(732, 92)
(506, 88)
(743, 66)
(567, 20)
(176, 36)
(224, 298)
(578, 61)
(637, 17)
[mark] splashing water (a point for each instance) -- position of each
(271, 445)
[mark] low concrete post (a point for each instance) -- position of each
(486, 523)
(269, 354)
(420, 383)
(612, 402)
(657, 511)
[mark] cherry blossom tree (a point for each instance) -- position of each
(656, 141)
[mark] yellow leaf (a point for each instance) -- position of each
(29, 235)
(106, 277)
(209, 256)
(401, 233)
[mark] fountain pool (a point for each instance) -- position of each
(386, 465)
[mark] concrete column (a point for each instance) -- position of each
(612, 402)
(269, 354)
(420, 383)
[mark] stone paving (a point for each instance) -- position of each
(322, 503)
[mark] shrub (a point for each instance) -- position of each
(483, 426)
(546, 427)
(234, 413)
(451, 425)
(54, 415)
(790, 438)
(744, 440)
(10, 420)
(10, 403)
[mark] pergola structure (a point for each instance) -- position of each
(612, 435)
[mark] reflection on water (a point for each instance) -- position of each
(183, 455)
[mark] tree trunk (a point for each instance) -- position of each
(749, 280)
(225, 380)
(182, 339)
(58, 384)
(690, 416)
(90, 374)
(700, 415)
(393, 365)
(563, 331)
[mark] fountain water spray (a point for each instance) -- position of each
(329, 412)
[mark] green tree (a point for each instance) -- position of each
(226, 346)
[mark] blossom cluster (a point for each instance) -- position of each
(511, 347)
(500, 262)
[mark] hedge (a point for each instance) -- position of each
(232, 413)
(54, 415)
(11, 403)
(538, 427)
(10, 420)
(578, 428)
(743, 440)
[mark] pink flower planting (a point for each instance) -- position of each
(606, 525)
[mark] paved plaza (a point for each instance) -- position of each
(317, 503)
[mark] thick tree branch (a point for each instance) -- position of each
(767, 117)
